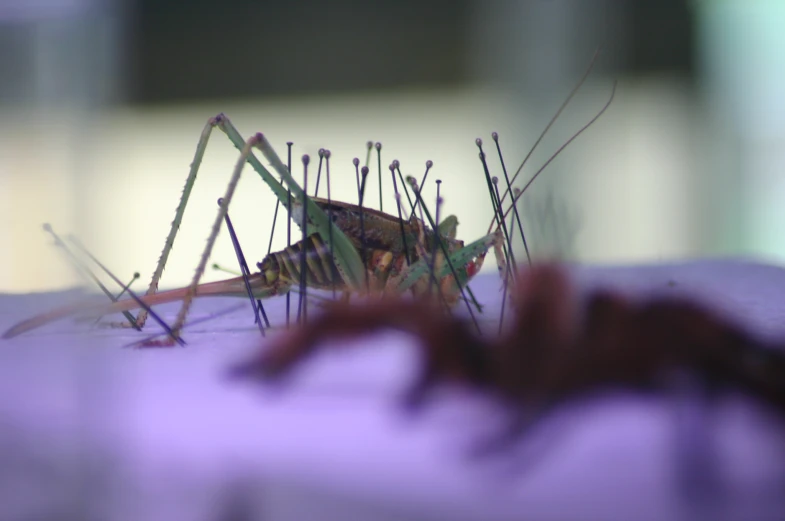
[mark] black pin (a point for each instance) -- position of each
(379, 164)
(495, 136)
(508, 254)
(319, 172)
(497, 211)
(122, 292)
(495, 181)
(362, 228)
(245, 272)
(397, 167)
(432, 281)
(289, 221)
(334, 274)
(436, 231)
(413, 182)
(133, 295)
(356, 163)
(428, 165)
(79, 265)
(446, 253)
(400, 215)
(301, 311)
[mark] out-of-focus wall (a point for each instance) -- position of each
(681, 165)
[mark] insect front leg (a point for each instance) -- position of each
(466, 262)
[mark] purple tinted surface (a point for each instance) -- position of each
(92, 430)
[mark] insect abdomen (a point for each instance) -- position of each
(320, 270)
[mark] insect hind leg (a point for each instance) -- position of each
(141, 317)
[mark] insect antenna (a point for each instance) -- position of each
(133, 295)
(362, 225)
(495, 137)
(378, 147)
(319, 172)
(438, 239)
(333, 270)
(301, 303)
(497, 210)
(398, 204)
(555, 117)
(289, 219)
(565, 145)
(80, 266)
(245, 272)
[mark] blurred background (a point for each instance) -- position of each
(103, 101)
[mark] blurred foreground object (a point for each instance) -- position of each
(174, 439)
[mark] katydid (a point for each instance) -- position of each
(331, 249)
(346, 247)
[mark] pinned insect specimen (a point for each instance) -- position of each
(555, 347)
(345, 247)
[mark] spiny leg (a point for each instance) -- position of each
(222, 210)
(223, 123)
(345, 253)
(141, 317)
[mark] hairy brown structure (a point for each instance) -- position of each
(554, 349)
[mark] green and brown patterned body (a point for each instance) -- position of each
(378, 237)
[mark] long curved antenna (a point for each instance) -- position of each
(563, 106)
(561, 148)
